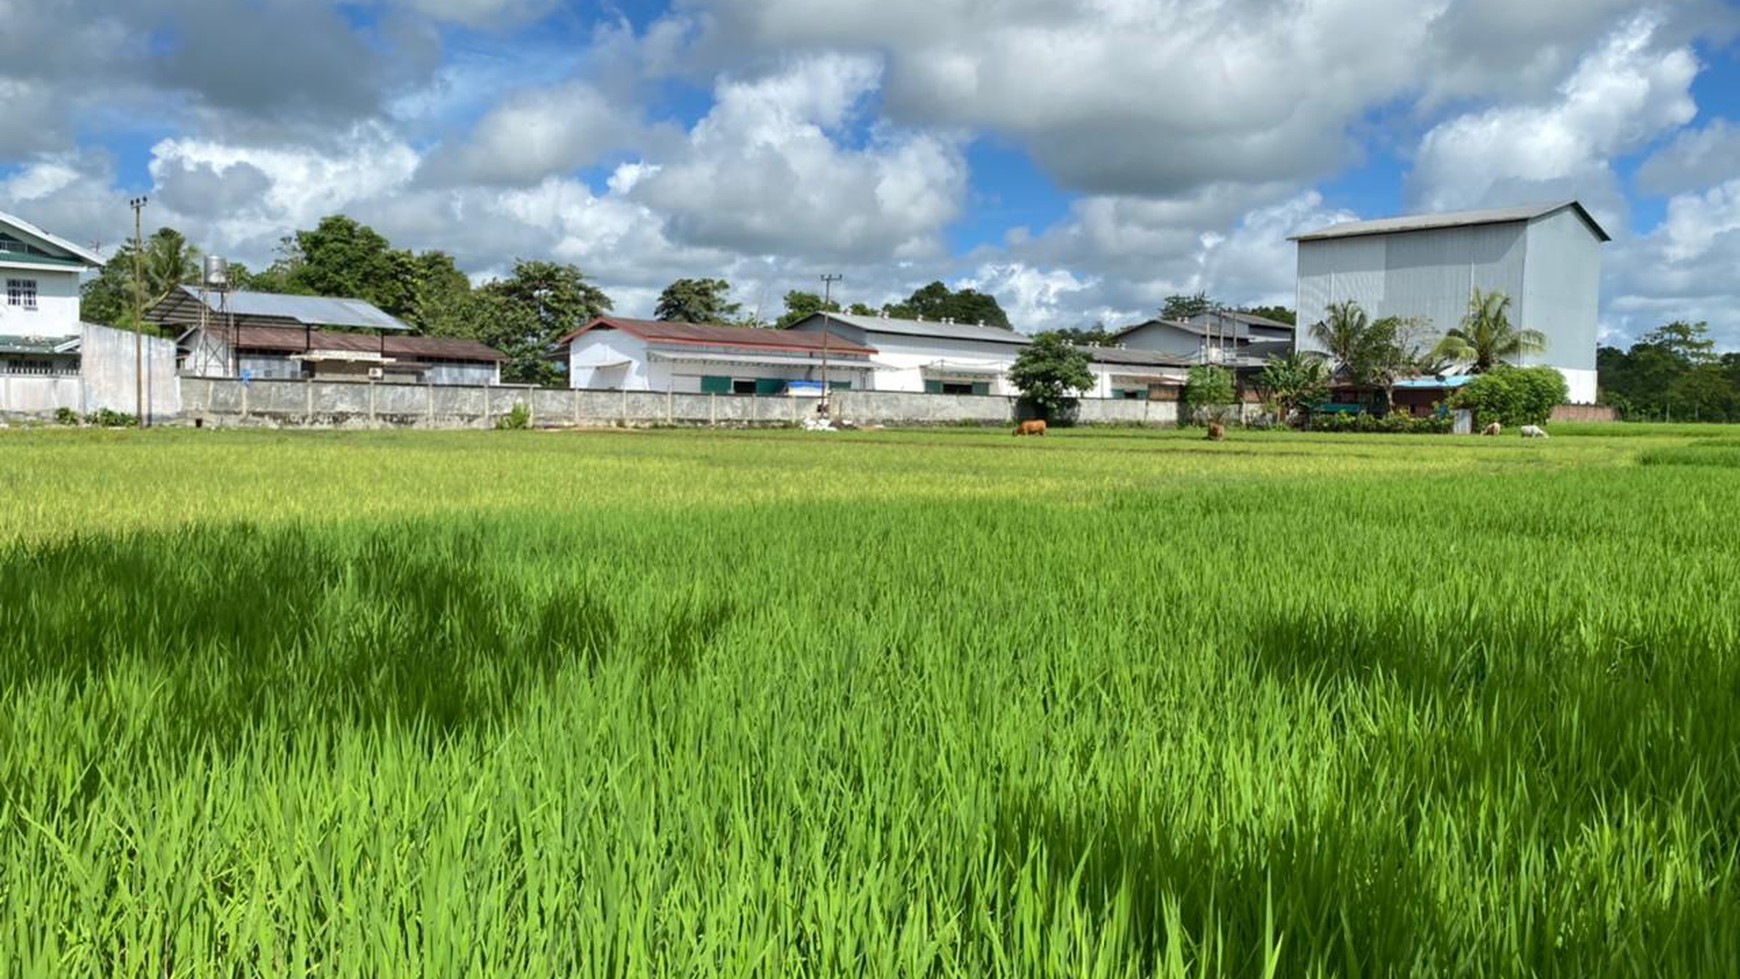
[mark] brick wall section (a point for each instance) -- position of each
(1584, 413)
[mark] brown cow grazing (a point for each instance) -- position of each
(1492, 429)
(1216, 431)
(1036, 427)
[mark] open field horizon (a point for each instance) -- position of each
(1108, 703)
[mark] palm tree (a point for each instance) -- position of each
(1486, 337)
(169, 261)
(1343, 334)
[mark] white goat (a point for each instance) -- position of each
(1534, 432)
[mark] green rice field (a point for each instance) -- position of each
(1103, 704)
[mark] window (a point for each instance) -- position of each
(739, 386)
(713, 384)
(21, 292)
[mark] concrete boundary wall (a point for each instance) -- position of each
(349, 404)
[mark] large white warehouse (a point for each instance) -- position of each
(1547, 258)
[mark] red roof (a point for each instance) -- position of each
(289, 339)
(745, 338)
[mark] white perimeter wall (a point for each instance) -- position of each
(57, 305)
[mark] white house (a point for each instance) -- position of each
(619, 354)
(1546, 258)
(39, 316)
(926, 355)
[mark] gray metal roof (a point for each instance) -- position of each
(1140, 358)
(1452, 219)
(924, 328)
(84, 254)
(306, 310)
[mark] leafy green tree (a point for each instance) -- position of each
(1294, 382)
(1184, 307)
(861, 309)
(1689, 343)
(525, 314)
(1209, 394)
(1513, 395)
(937, 302)
(697, 301)
(800, 306)
(438, 289)
(343, 257)
(1486, 337)
(1051, 372)
(1704, 393)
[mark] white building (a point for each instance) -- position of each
(1137, 375)
(39, 314)
(1546, 258)
(613, 353)
(927, 355)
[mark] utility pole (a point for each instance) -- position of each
(828, 281)
(138, 205)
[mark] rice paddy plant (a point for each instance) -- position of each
(899, 705)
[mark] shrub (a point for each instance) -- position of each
(519, 418)
(1513, 396)
(104, 418)
(66, 416)
(1394, 423)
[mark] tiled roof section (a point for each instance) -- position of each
(1452, 219)
(928, 328)
(739, 337)
(289, 339)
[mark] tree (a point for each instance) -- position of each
(1208, 393)
(167, 262)
(439, 291)
(1654, 378)
(697, 301)
(937, 302)
(1095, 336)
(525, 314)
(1050, 372)
(343, 257)
(800, 306)
(1486, 337)
(1395, 347)
(1343, 334)
(1513, 395)
(1184, 307)
(1689, 343)
(860, 309)
(1294, 382)
(1279, 314)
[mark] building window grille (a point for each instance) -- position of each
(21, 293)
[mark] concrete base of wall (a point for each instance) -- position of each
(343, 404)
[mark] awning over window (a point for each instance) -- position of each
(759, 360)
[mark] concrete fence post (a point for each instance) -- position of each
(244, 402)
(670, 407)
(487, 421)
(372, 422)
(574, 399)
(429, 390)
(794, 413)
(713, 410)
(625, 406)
(308, 401)
(531, 407)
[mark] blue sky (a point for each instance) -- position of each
(1081, 159)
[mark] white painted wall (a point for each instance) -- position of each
(109, 364)
(1561, 298)
(57, 304)
(1111, 377)
(1160, 338)
(591, 351)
